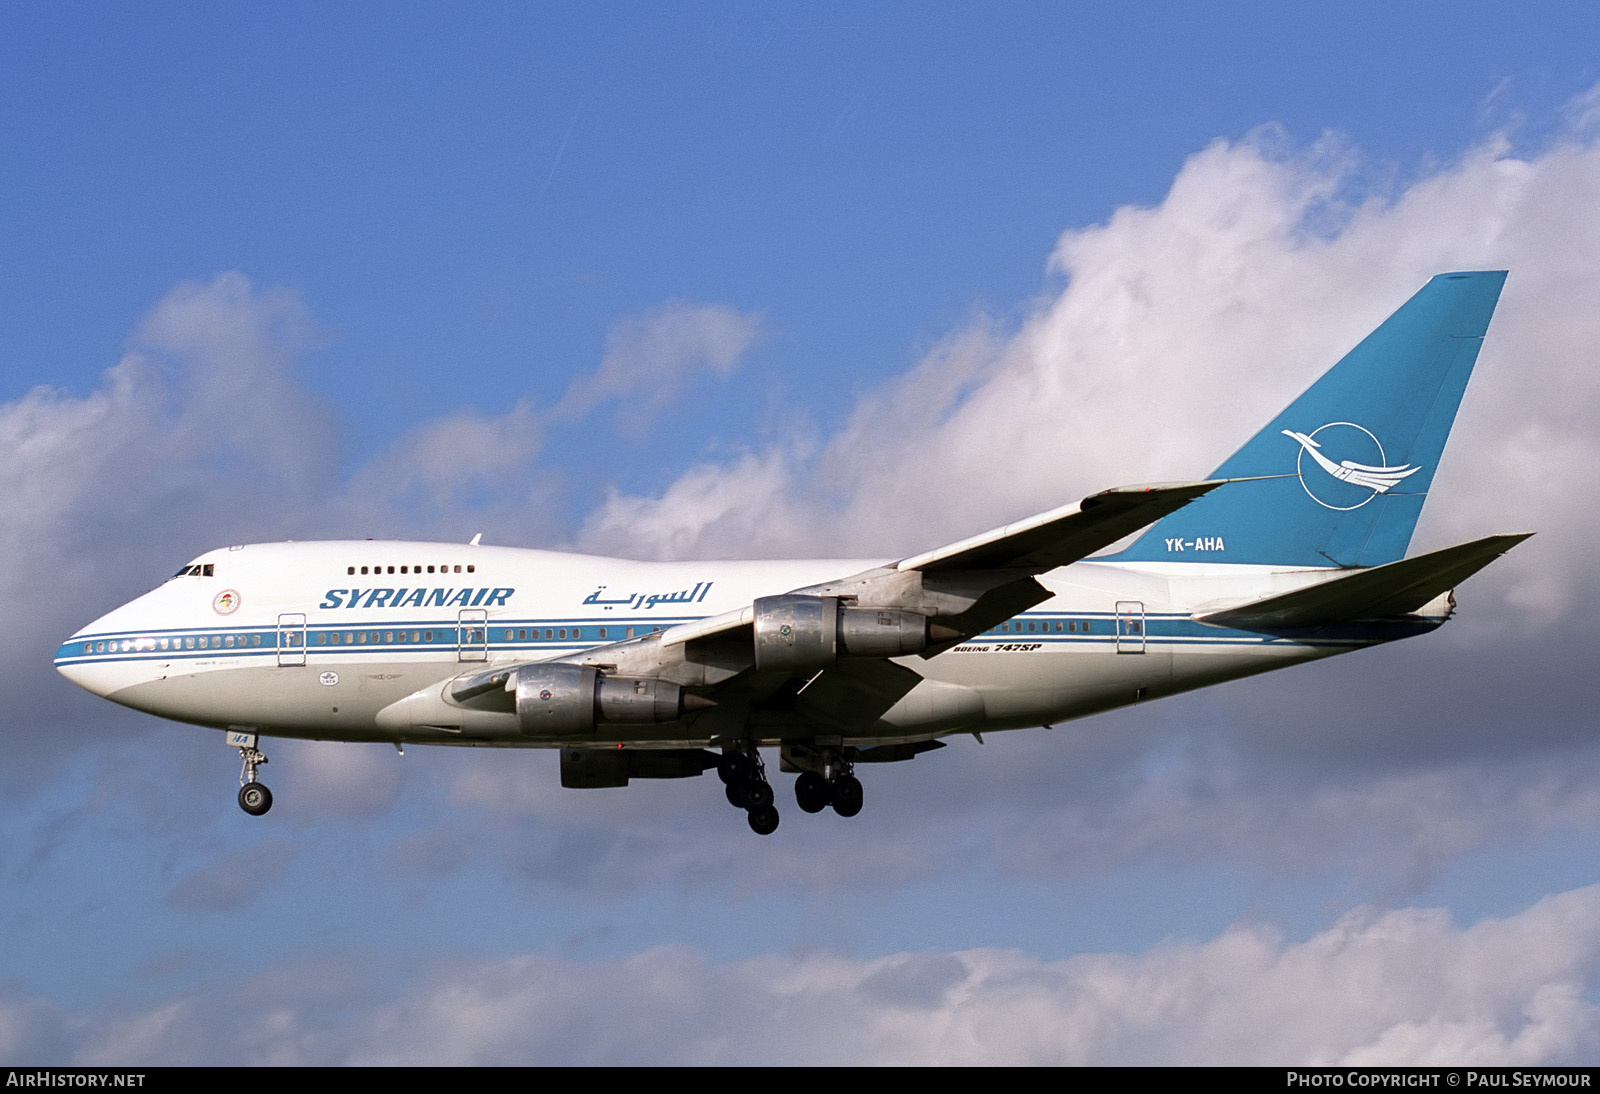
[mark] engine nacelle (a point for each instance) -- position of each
(799, 633)
(567, 700)
(882, 632)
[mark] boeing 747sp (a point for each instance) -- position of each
(1292, 550)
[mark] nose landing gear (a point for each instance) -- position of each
(254, 797)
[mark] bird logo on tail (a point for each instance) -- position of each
(1378, 478)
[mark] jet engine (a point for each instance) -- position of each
(565, 700)
(800, 633)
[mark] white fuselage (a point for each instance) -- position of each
(318, 640)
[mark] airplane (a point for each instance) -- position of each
(1293, 550)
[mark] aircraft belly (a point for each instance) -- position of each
(1022, 689)
(317, 700)
(1032, 687)
(1201, 665)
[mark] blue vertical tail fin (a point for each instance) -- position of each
(1344, 470)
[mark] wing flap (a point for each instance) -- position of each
(854, 694)
(1382, 592)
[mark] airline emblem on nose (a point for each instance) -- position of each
(1349, 483)
(226, 602)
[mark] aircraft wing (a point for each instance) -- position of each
(1065, 535)
(1013, 553)
(826, 654)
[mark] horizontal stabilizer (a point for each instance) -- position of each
(1383, 592)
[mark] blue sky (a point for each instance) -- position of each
(786, 280)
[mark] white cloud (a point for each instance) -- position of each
(717, 504)
(650, 358)
(200, 434)
(1178, 331)
(1401, 987)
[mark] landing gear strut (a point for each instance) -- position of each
(254, 797)
(745, 777)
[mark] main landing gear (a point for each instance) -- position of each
(831, 781)
(254, 797)
(745, 777)
(815, 791)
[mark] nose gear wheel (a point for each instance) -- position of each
(254, 797)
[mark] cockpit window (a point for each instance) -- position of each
(208, 569)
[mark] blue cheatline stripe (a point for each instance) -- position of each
(580, 634)
(1173, 630)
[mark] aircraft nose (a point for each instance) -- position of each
(74, 660)
(88, 661)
